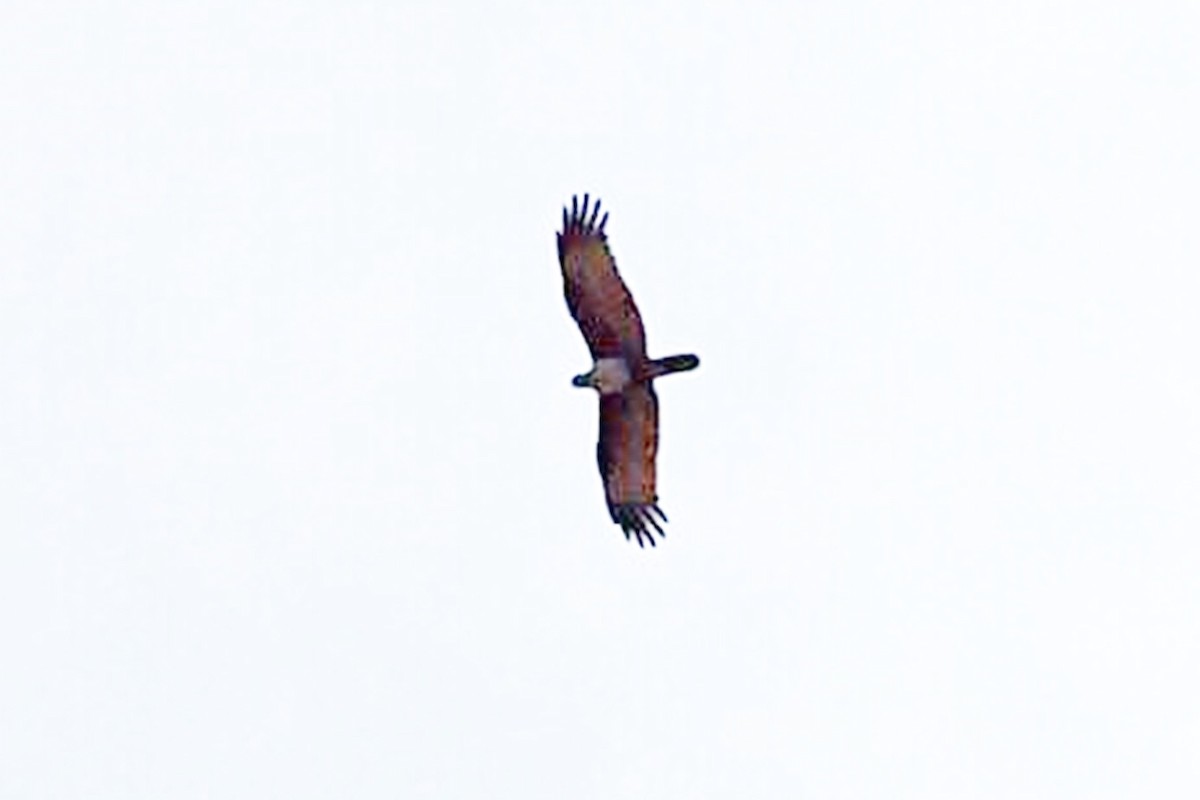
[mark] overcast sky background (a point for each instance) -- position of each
(298, 501)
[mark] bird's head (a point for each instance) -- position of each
(609, 376)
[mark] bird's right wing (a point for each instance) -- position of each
(626, 456)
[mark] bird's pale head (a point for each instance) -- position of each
(609, 376)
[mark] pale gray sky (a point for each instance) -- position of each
(298, 501)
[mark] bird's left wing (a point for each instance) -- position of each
(596, 296)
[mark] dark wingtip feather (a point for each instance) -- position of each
(633, 518)
(576, 219)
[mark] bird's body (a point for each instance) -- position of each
(622, 374)
(610, 375)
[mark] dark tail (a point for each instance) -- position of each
(665, 366)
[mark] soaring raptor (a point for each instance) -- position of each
(622, 374)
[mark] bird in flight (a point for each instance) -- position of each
(622, 374)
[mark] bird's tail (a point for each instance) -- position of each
(658, 367)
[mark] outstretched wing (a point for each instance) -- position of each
(626, 452)
(597, 297)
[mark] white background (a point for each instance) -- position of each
(298, 501)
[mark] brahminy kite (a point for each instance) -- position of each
(622, 374)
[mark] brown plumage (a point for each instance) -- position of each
(612, 327)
